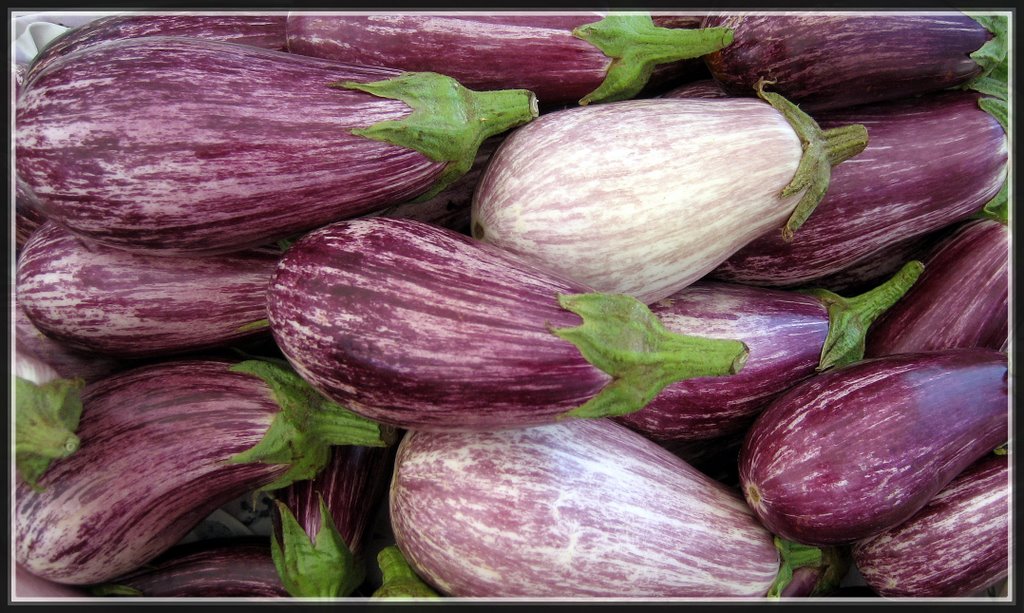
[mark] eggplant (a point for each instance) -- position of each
(790, 336)
(418, 326)
(185, 146)
(129, 305)
(858, 450)
(69, 363)
(162, 446)
(954, 546)
(932, 161)
(27, 585)
(223, 568)
(562, 58)
(962, 299)
(583, 508)
(827, 61)
(26, 213)
(644, 197)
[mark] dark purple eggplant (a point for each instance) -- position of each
(826, 61)
(421, 327)
(956, 545)
(961, 300)
(858, 450)
(562, 58)
(69, 363)
(131, 305)
(930, 162)
(162, 446)
(821, 579)
(224, 568)
(185, 146)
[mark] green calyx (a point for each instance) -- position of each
(623, 338)
(400, 581)
(850, 318)
(323, 567)
(46, 418)
(254, 325)
(112, 589)
(635, 46)
(994, 84)
(448, 121)
(822, 149)
(994, 51)
(794, 556)
(836, 562)
(302, 433)
(1003, 449)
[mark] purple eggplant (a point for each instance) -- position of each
(562, 58)
(69, 363)
(130, 305)
(418, 326)
(962, 299)
(858, 450)
(583, 508)
(27, 585)
(826, 61)
(931, 162)
(162, 446)
(186, 146)
(954, 546)
(27, 215)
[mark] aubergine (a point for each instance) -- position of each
(188, 146)
(583, 508)
(27, 217)
(130, 305)
(68, 362)
(418, 326)
(644, 197)
(932, 161)
(827, 61)
(858, 450)
(962, 299)
(562, 58)
(163, 446)
(27, 585)
(954, 546)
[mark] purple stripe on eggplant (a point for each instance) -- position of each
(825, 61)
(858, 450)
(27, 216)
(930, 162)
(956, 545)
(131, 305)
(705, 88)
(67, 361)
(961, 299)
(583, 508)
(152, 464)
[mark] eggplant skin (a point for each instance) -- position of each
(583, 508)
(184, 146)
(827, 61)
(956, 545)
(857, 450)
(960, 300)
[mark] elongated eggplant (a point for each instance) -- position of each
(161, 447)
(185, 146)
(954, 546)
(932, 161)
(560, 57)
(825, 61)
(27, 215)
(962, 299)
(418, 326)
(577, 509)
(69, 363)
(131, 305)
(27, 585)
(644, 197)
(856, 451)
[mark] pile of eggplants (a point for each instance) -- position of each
(616, 306)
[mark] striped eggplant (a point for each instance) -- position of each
(954, 546)
(562, 58)
(185, 146)
(131, 305)
(418, 326)
(162, 446)
(582, 508)
(858, 450)
(962, 299)
(224, 568)
(69, 363)
(836, 60)
(27, 217)
(644, 197)
(264, 30)
(932, 161)
(790, 336)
